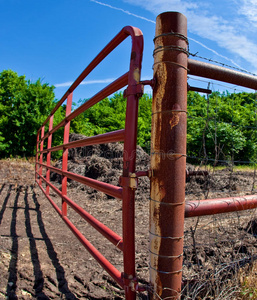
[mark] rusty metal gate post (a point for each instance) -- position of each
(168, 156)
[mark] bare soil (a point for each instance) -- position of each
(41, 259)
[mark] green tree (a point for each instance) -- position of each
(222, 126)
(110, 114)
(24, 106)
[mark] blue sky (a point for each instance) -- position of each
(55, 40)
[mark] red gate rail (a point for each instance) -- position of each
(206, 207)
(126, 192)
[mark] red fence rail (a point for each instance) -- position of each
(126, 192)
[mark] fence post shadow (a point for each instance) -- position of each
(2, 187)
(38, 274)
(60, 273)
(12, 270)
(5, 200)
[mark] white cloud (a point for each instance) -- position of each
(249, 9)
(69, 83)
(209, 26)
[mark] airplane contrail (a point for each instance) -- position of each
(124, 11)
(69, 83)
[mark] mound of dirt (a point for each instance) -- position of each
(104, 163)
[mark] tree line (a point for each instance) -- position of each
(221, 126)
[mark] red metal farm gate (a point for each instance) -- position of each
(168, 156)
(128, 181)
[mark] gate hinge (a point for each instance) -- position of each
(137, 90)
(132, 283)
(130, 181)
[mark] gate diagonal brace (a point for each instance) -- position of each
(131, 181)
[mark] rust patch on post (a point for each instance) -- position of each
(175, 115)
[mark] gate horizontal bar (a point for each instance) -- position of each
(105, 92)
(121, 36)
(207, 70)
(112, 236)
(115, 274)
(109, 268)
(55, 206)
(197, 208)
(106, 188)
(109, 137)
(100, 227)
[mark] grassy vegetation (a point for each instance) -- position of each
(243, 168)
(247, 278)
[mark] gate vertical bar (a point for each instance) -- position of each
(37, 149)
(128, 205)
(168, 156)
(41, 154)
(129, 161)
(65, 154)
(48, 157)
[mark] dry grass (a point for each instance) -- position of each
(19, 160)
(247, 279)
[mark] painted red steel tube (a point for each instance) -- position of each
(36, 164)
(57, 191)
(65, 154)
(115, 274)
(110, 89)
(56, 170)
(121, 36)
(107, 188)
(55, 206)
(129, 159)
(109, 137)
(48, 158)
(215, 72)
(104, 230)
(218, 206)
(112, 236)
(41, 149)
